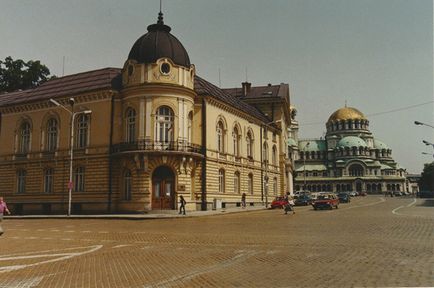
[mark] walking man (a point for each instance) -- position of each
(3, 209)
(182, 207)
(243, 200)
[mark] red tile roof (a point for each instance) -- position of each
(203, 87)
(271, 91)
(107, 78)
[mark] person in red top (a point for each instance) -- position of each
(3, 209)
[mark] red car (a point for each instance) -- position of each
(328, 201)
(279, 202)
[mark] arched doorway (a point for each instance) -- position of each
(163, 188)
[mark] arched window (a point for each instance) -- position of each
(79, 179)
(190, 127)
(274, 155)
(164, 125)
(265, 152)
(220, 137)
(236, 139)
(52, 132)
(237, 188)
(49, 180)
(127, 185)
(249, 142)
(356, 170)
(24, 146)
(21, 181)
(82, 131)
(222, 181)
(250, 183)
(130, 125)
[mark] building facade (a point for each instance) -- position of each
(350, 158)
(141, 136)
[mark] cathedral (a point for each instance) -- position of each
(350, 158)
(134, 139)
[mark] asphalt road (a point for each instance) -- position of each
(371, 242)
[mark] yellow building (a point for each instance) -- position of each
(142, 136)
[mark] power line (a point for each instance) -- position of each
(400, 109)
(379, 113)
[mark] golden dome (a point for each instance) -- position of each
(346, 113)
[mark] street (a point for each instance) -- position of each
(373, 241)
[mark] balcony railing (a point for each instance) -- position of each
(150, 145)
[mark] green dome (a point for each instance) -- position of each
(291, 142)
(352, 141)
(312, 145)
(380, 145)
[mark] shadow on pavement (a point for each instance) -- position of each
(427, 203)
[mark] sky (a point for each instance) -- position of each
(374, 55)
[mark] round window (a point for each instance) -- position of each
(165, 68)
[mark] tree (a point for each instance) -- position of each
(17, 74)
(426, 182)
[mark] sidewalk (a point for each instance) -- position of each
(160, 214)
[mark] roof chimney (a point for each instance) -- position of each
(246, 88)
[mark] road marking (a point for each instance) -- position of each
(221, 265)
(23, 283)
(394, 211)
(45, 254)
(122, 245)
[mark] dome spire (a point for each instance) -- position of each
(160, 15)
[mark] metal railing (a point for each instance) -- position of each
(150, 145)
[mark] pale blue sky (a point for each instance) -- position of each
(376, 54)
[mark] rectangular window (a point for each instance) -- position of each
(221, 181)
(21, 181)
(250, 184)
(79, 179)
(48, 181)
(83, 125)
(127, 185)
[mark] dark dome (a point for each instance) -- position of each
(159, 43)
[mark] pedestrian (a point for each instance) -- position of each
(289, 206)
(182, 206)
(3, 209)
(243, 200)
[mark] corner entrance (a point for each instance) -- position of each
(163, 192)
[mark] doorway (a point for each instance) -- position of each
(163, 190)
(358, 186)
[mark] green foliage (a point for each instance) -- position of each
(17, 74)
(426, 182)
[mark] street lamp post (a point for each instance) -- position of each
(428, 143)
(424, 124)
(425, 153)
(304, 164)
(71, 144)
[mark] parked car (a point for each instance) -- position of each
(344, 197)
(326, 201)
(353, 193)
(362, 194)
(397, 193)
(279, 202)
(303, 200)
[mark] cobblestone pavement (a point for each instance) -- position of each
(371, 242)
